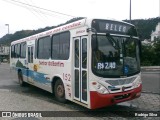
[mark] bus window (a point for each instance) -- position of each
(44, 48)
(64, 45)
(84, 53)
(23, 50)
(55, 47)
(76, 53)
(30, 54)
(61, 46)
(17, 50)
(12, 51)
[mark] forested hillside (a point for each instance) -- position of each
(7, 39)
(144, 28)
(150, 54)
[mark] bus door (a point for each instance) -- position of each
(30, 64)
(80, 69)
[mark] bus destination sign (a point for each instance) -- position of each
(113, 27)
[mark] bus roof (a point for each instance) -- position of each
(76, 24)
(63, 28)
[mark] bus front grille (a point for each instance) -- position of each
(120, 97)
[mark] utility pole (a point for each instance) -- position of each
(8, 27)
(159, 8)
(130, 12)
(6, 56)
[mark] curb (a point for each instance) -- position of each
(150, 68)
(149, 92)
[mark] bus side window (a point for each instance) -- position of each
(12, 51)
(61, 46)
(44, 48)
(23, 50)
(55, 47)
(36, 47)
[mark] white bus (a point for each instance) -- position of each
(92, 62)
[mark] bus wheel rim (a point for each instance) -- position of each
(60, 90)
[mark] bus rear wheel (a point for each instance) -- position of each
(20, 79)
(59, 91)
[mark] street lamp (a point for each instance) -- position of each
(8, 27)
(130, 12)
(159, 8)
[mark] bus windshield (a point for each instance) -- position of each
(114, 56)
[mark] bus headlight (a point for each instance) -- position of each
(137, 82)
(100, 88)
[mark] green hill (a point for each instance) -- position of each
(144, 28)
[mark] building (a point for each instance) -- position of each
(146, 42)
(4, 52)
(156, 33)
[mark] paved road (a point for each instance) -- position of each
(151, 81)
(29, 98)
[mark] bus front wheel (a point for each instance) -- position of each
(59, 91)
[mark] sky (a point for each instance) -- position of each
(24, 17)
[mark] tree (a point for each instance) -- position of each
(146, 53)
(156, 46)
(151, 54)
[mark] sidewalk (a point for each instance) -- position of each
(150, 68)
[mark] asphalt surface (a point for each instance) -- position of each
(29, 98)
(151, 81)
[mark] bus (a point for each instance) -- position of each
(92, 62)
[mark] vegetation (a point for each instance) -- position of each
(150, 53)
(145, 27)
(8, 38)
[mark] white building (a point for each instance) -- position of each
(146, 42)
(4, 50)
(156, 33)
(4, 53)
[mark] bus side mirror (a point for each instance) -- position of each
(94, 44)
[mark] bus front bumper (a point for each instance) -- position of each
(100, 100)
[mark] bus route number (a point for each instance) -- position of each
(106, 65)
(66, 76)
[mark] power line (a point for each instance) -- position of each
(26, 7)
(38, 11)
(42, 8)
(32, 10)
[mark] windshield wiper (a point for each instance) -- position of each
(112, 41)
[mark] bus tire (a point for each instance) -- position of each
(20, 79)
(59, 91)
